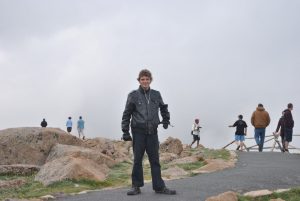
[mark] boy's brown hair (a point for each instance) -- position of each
(146, 73)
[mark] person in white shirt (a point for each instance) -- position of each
(196, 132)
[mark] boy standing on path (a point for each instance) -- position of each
(141, 114)
(241, 131)
(260, 120)
(80, 127)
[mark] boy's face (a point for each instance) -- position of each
(145, 82)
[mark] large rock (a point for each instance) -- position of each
(171, 145)
(73, 162)
(213, 165)
(227, 196)
(258, 193)
(174, 173)
(71, 168)
(31, 145)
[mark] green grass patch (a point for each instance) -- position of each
(118, 176)
(216, 154)
(33, 189)
(164, 166)
(191, 166)
(292, 195)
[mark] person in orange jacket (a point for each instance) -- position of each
(260, 120)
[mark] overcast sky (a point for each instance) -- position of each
(210, 59)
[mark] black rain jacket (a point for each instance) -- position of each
(141, 111)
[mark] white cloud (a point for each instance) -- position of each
(209, 59)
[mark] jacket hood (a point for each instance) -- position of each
(260, 108)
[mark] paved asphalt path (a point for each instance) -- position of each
(253, 171)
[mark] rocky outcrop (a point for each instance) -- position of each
(73, 162)
(19, 169)
(31, 145)
(63, 156)
(167, 157)
(171, 145)
(118, 150)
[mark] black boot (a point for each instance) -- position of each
(134, 191)
(166, 191)
(260, 147)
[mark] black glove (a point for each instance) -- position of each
(165, 125)
(126, 137)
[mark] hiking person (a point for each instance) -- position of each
(260, 119)
(280, 127)
(80, 127)
(240, 133)
(44, 123)
(288, 126)
(141, 113)
(196, 132)
(69, 124)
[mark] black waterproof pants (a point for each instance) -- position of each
(150, 144)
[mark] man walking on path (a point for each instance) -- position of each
(141, 113)
(241, 131)
(196, 132)
(69, 125)
(288, 126)
(260, 120)
(80, 127)
(44, 123)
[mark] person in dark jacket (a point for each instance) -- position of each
(288, 126)
(280, 126)
(141, 114)
(44, 123)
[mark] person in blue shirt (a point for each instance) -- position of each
(80, 127)
(69, 125)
